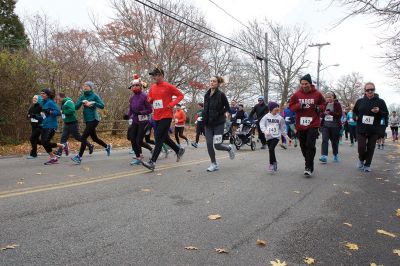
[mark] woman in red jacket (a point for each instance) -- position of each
(180, 119)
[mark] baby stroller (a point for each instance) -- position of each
(245, 135)
(228, 132)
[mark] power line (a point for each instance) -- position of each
(226, 12)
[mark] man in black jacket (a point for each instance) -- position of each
(260, 110)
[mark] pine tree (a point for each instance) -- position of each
(12, 32)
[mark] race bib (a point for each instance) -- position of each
(368, 120)
(273, 130)
(143, 118)
(157, 104)
(287, 119)
(329, 118)
(305, 121)
(63, 116)
(43, 115)
(199, 119)
(217, 139)
(130, 121)
(33, 120)
(238, 121)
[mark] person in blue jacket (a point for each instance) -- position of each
(49, 113)
(290, 121)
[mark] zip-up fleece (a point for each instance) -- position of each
(180, 118)
(362, 114)
(50, 120)
(90, 112)
(160, 95)
(139, 108)
(68, 111)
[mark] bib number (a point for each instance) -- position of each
(130, 121)
(158, 104)
(238, 121)
(368, 120)
(329, 118)
(217, 139)
(273, 130)
(33, 120)
(351, 120)
(305, 121)
(143, 118)
(287, 119)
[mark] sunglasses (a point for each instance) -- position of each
(370, 90)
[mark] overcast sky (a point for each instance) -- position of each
(353, 43)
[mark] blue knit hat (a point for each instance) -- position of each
(90, 84)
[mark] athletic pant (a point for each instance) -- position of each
(179, 134)
(395, 132)
(199, 130)
(330, 134)
(137, 135)
(353, 133)
(271, 148)
(261, 135)
(90, 130)
(47, 135)
(71, 129)
(366, 147)
(132, 131)
(161, 135)
(35, 140)
(210, 133)
(307, 140)
(290, 131)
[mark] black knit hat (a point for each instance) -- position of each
(46, 91)
(307, 78)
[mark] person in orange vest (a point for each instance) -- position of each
(180, 119)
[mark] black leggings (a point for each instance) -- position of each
(179, 134)
(307, 140)
(161, 136)
(133, 140)
(136, 137)
(35, 140)
(271, 148)
(199, 130)
(47, 135)
(90, 130)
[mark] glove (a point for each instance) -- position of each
(125, 117)
(47, 111)
(303, 106)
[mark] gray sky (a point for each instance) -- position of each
(353, 43)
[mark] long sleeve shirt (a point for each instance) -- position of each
(273, 126)
(160, 95)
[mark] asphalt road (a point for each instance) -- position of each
(106, 212)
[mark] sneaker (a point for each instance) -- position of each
(91, 148)
(58, 153)
(231, 152)
(53, 160)
(307, 172)
(360, 165)
(295, 143)
(271, 168)
(275, 166)
(263, 147)
(132, 152)
(108, 149)
(194, 144)
(77, 159)
(66, 148)
(336, 158)
(283, 146)
(136, 161)
(187, 143)
(30, 157)
(213, 167)
(149, 165)
(323, 159)
(382, 147)
(367, 169)
(179, 154)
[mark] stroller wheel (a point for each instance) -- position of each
(253, 145)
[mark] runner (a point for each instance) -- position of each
(160, 95)
(71, 126)
(273, 126)
(394, 125)
(90, 102)
(215, 106)
(36, 125)
(199, 124)
(330, 127)
(260, 110)
(352, 125)
(290, 120)
(382, 133)
(368, 112)
(49, 113)
(307, 102)
(180, 120)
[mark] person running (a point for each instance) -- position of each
(199, 124)
(180, 120)
(215, 106)
(71, 126)
(260, 110)
(139, 111)
(49, 114)
(394, 125)
(273, 126)
(90, 101)
(160, 95)
(306, 102)
(240, 116)
(36, 125)
(290, 120)
(382, 133)
(368, 112)
(330, 127)
(352, 125)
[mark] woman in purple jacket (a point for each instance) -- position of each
(139, 111)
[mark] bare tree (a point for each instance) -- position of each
(349, 88)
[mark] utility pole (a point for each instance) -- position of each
(319, 45)
(266, 76)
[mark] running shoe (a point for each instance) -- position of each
(367, 169)
(231, 152)
(382, 147)
(66, 148)
(283, 146)
(91, 148)
(194, 144)
(323, 159)
(132, 152)
(136, 161)
(379, 146)
(30, 157)
(108, 149)
(77, 159)
(271, 168)
(336, 158)
(360, 165)
(58, 153)
(213, 167)
(263, 147)
(149, 165)
(307, 172)
(180, 154)
(275, 164)
(295, 143)
(52, 160)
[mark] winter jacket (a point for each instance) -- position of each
(394, 121)
(239, 117)
(90, 112)
(307, 107)
(68, 112)
(215, 107)
(274, 125)
(260, 110)
(369, 122)
(289, 116)
(199, 115)
(160, 95)
(180, 118)
(50, 112)
(139, 108)
(333, 118)
(34, 115)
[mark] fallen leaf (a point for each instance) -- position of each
(87, 169)
(11, 246)
(379, 178)
(191, 248)
(374, 264)
(335, 185)
(39, 173)
(20, 183)
(386, 180)
(145, 189)
(393, 191)
(277, 262)
(351, 246)
(221, 250)
(346, 192)
(349, 225)
(71, 175)
(22, 178)
(309, 260)
(396, 251)
(214, 217)
(387, 170)
(296, 191)
(188, 171)
(207, 201)
(398, 212)
(159, 174)
(261, 242)
(383, 232)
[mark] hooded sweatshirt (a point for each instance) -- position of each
(90, 112)
(139, 108)
(68, 112)
(307, 117)
(369, 122)
(50, 112)
(274, 125)
(180, 118)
